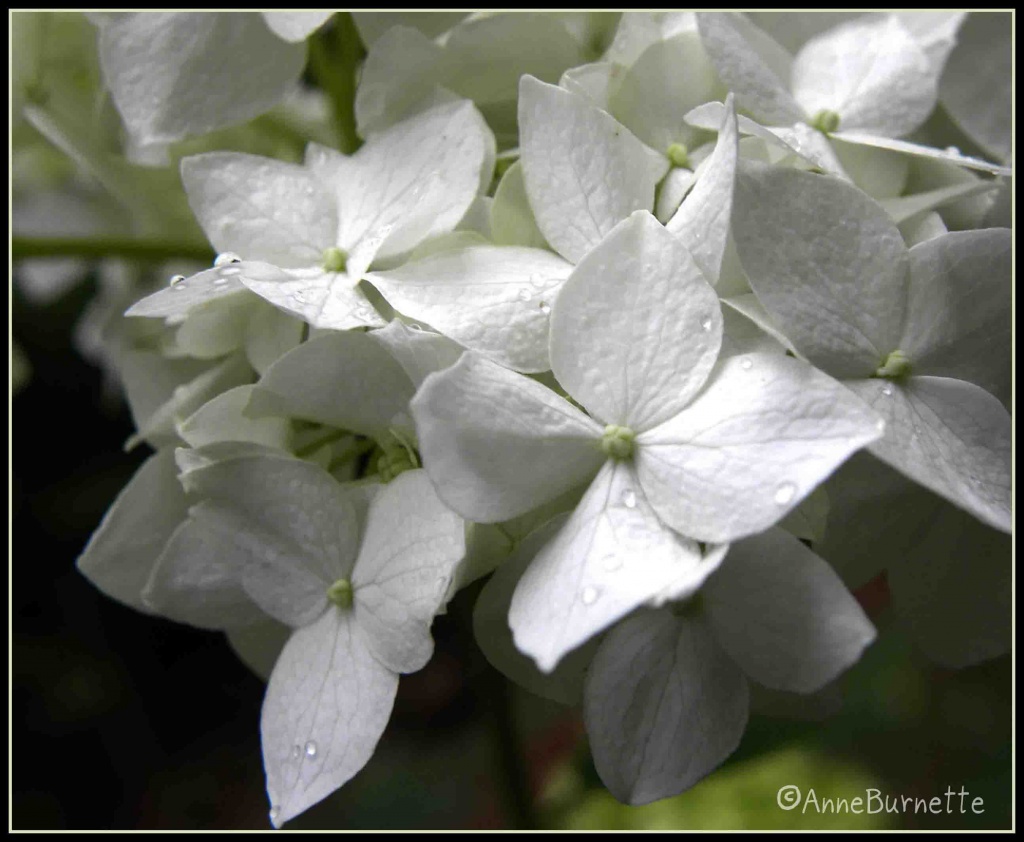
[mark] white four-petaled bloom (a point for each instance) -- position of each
(683, 451)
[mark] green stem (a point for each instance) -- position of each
(334, 54)
(99, 247)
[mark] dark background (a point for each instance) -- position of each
(121, 720)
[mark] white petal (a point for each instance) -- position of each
(880, 173)
(494, 637)
(125, 547)
(871, 73)
(417, 351)
(270, 335)
(826, 262)
(948, 155)
(977, 86)
(411, 545)
(783, 616)
(512, 222)
(922, 227)
(323, 299)
(958, 308)
(161, 427)
(584, 171)
(214, 328)
(595, 81)
(372, 25)
(489, 55)
(752, 65)
(808, 520)
(702, 221)
(953, 588)
(668, 79)
(412, 181)
(150, 380)
(491, 299)
(672, 191)
(327, 704)
(345, 379)
(295, 26)
(636, 328)
(753, 312)
(904, 207)
(197, 579)
(497, 444)
(261, 208)
(639, 30)
(763, 434)
(612, 555)
(403, 65)
(222, 419)
(296, 524)
(176, 74)
(177, 300)
(663, 706)
(950, 436)
(935, 33)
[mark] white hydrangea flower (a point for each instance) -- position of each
(865, 81)
(359, 581)
(919, 334)
(680, 457)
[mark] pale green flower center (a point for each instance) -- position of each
(340, 593)
(825, 121)
(895, 365)
(617, 442)
(335, 259)
(678, 155)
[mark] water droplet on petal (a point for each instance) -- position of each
(746, 364)
(311, 749)
(886, 390)
(629, 498)
(176, 279)
(179, 286)
(525, 294)
(589, 595)
(784, 493)
(545, 308)
(231, 270)
(705, 324)
(880, 425)
(226, 257)
(953, 150)
(414, 326)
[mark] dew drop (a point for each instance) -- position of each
(886, 390)
(414, 326)
(953, 150)
(525, 294)
(176, 279)
(589, 595)
(231, 270)
(311, 749)
(705, 325)
(784, 493)
(746, 364)
(545, 308)
(629, 498)
(226, 257)
(299, 297)
(179, 286)
(880, 425)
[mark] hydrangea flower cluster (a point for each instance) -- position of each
(605, 320)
